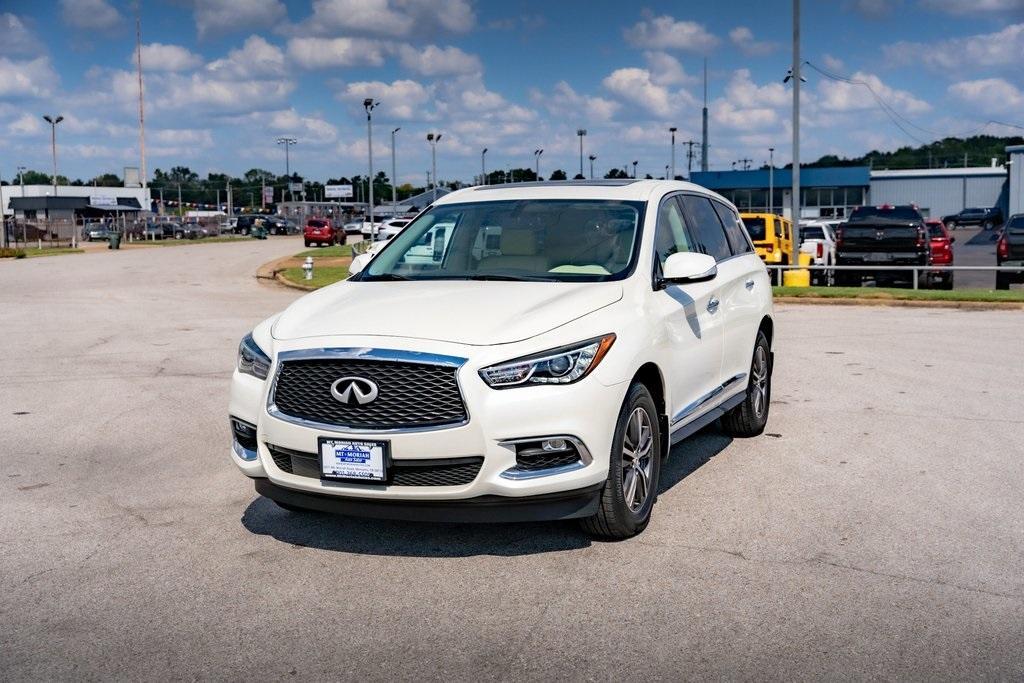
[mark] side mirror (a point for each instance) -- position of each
(688, 266)
(357, 265)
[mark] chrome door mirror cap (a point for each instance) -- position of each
(689, 266)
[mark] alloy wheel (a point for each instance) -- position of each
(759, 386)
(637, 459)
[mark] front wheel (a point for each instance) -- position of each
(988, 225)
(633, 470)
(750, 417)
(951, 225)
(1002, 281)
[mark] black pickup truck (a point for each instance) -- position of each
(1010, 251)
(881, 236)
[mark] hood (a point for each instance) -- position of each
(458, 311)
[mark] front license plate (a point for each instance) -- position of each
(347, 460)
(878, 256)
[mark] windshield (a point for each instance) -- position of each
(755, 226)
(812, 233)
(935, 230)
(898, 213)
(553, 240)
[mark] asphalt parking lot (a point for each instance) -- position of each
(876, 531)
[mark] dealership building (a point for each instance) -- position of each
(835, 191)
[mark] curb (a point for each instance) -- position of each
(904, 303)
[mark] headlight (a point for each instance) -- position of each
(251, 358)
(563, 365)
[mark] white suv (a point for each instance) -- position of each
(537, 363)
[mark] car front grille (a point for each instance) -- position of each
(437, 472)
(410, 395)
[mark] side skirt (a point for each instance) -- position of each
(690, 428)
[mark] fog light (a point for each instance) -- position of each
(554, 445)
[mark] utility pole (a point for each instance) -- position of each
(433, 139)
(771, 180)
(53, 121)
(180, 212)
(287, 142)
(704, 123)
(673, 130)
(394, 175)
(263, 191)
(231, 204)
(369, 103)
(536, 163)
(581, 132)
(483, 166)
(142, 116)
(794, 256)
(689, 157)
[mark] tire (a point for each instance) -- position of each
(947, 283)
(1002, 281)
(308, 244)
(750, 417)
(178, 235)
(616, 518)
(846, 278)
(951, 225)
(987, 225)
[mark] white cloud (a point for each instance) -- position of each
(1002, 48)
(191, 137)
(320, 53)
(162, 57)
(201, 92)
(90, 14)
(743, 38)
(309, 129)
(974, 6)
(256, 58)
(32, 78)
(666, 69)
(668, 33)
(400, 99)
(841, 96)
(727, 114)
(637, 87)
(743, 92)
(437, 61)
(564, 101)
(16, 38)
(875, 9)
(25, 125)
(993, 95)
(393, 18)
(219, 16)
(833, 63)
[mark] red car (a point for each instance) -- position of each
(942, 252)
(320, 231)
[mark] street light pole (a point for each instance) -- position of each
(483, 166)
(771, 180)
(592, 157)
(634, 169)
(793, 257)
(673, 130)
(287, 142)
(536, 163)
(369, 104)
(53, 121)
(433, 139)
(581, 132)
(394, 175)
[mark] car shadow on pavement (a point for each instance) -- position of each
(430, 539)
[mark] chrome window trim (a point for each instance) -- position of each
(365, 353)
(705, 402)
(515, 474)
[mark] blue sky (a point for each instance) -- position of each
(224, 78)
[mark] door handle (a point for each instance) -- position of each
(713, 305)
(749, 284)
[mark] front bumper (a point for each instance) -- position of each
(586, 411)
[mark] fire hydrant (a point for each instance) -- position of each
(307, 267)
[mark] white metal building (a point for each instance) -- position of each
(7, 192)
(941, 191)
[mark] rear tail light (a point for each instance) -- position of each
(821, 250)
(1003, 248)
(770, 248)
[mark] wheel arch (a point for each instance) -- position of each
(650, 375)
(768, 327)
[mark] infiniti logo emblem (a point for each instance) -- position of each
(354, 390)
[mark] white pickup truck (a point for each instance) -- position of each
(818, 238)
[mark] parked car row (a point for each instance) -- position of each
(986, 218)
(1010, 251)
(274, 225)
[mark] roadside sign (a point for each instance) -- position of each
(103, 200)
(268, 195)
(295, 187)
(338, 191)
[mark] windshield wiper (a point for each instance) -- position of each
(510, 278)
(383, 277)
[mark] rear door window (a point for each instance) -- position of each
(734, 232)
(707, 228)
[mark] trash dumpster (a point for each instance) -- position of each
(259, 233)
(115, 241)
